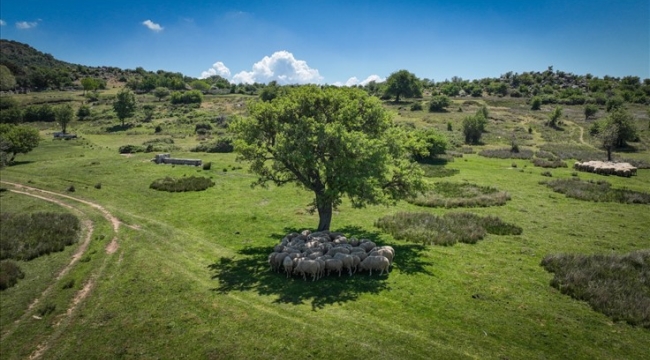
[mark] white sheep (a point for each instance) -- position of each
(382, 252)
(375, 263)
(287, 263)
(348, 261)
(333, 265)
(308, 267)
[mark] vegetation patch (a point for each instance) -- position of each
(222, 145)
(28, 236)
(549, 164)
(507, 153)
(192, 183)
(451, 195)
(10, 272)
(449, 229)
(131, 149)
(159, 145)
(438, 171)
(615, 285)
(599, 191)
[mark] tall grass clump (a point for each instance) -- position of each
(549, 164)
(507, 153)
(28, 236)
(598, 191)
(10, 273)
(438, 171)
(446, 230)
(615, 285)
(452, 195)
(222, 145)
(192, 183)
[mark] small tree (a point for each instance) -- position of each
(438, 103)
(334, 142)
(403, 83)
(626, 128)
(614, 103)
(590, 110)
(427, 144)
(608, 138)
(63, 115)
(473, 128)
(18, 139)
(554, 117)
(148, 111)
(7, 79)
(124, 105)
(161, 93)
(83, 112)
(89, 84)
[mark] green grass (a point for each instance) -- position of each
(190, 279)
(599, 191)
(452, 195)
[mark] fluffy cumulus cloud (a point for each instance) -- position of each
(2, 22)
(217, 68)
(353, 81)
(24, 25)
(282, 67)
(152, 26)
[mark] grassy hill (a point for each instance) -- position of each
(185, 275)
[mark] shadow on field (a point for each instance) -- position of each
(249, 271)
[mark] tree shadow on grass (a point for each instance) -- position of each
(249, 271)
(18, 163)
(119, 127)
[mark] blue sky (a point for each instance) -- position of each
(340, 41)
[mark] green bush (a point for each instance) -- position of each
(615, 285)
(599, 191)
(222, 145)
(535, 103)
(188, 97)
(27, 236)
(10, 273)
(131, 149)
(416, 106)
(452, 195)
(192, 183)
(83, 112)
(438, 103)
(448, 229)
(207, 166)
(34, 113)
(506, 153)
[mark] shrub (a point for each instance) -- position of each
(33, 113)
(188, 97)
(451, 195)
(536, 103)
(599, 191)
(447, 229)
(449, 126)
(68, 284)
(131, 149)
(222, 145)
(83, 112)
(192, 183)
(158, 129)
(202, 128)
(10, 273)
(98, 186)
(207, 166)
(159, 145)
(416, 106)
(438, 103)
(28, 236)
(46, 309)
(547, 174)
(70, 188)
(506, 153)
(549, 164)
(615, 285)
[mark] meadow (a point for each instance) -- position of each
(189, 277)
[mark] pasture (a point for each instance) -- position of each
(188, 277)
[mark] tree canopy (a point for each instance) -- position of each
(124, 105)
(63, 115)
(403, 83)
(18, 139)
(334, 142)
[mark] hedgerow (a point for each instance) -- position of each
(449, 229)
(615, 285)
(28, 236)
(192, 183)
(507, 153)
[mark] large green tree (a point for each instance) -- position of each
(63, 115)
(7, 79)
(18, 139)
(403, 83)
(334, 142)
(124, 105)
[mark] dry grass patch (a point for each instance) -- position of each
(598, 191)
(452, 195)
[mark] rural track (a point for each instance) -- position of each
(87, 229)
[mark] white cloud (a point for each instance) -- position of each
(152, 25)
(281, 67)
(2, 22)
(353, 81)
(217, 68)
(24, 25)
(375, 78)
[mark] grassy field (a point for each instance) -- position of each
(190, 279)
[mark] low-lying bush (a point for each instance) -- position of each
(192, 183)
(507, 153)
(599, 191)
(444, 230)
(615, 285)
(131, 149)
(549, 164)
(438, 171)
(222, 145)
(10, 273)
(27, 236)
(451, 195)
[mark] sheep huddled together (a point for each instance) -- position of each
(324, 253)
(606, 168)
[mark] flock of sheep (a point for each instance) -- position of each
(606, 168)
(322, 253)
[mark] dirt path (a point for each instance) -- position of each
(87, 229)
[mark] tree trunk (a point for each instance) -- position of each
(324, 214)
(609, 154)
